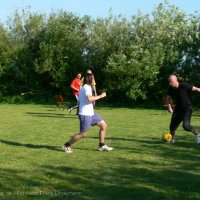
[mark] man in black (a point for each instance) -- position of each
(183, 109)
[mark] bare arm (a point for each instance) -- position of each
(74, 88)
(95, 91)
(94, 86)
(195, 89)
(169, 106)
(94, 98)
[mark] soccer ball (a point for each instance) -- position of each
(167, 137)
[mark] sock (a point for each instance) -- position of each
(67, 144)
(101, 144)
(194, 131)
(172, 133)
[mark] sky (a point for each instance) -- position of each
(93, 8)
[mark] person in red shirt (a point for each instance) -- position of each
(76, 86)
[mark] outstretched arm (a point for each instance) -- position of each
(195, 89)
(94, 98)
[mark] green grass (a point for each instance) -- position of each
(141, 167)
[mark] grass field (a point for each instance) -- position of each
(141, 167)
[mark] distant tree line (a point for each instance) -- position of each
(131, 59)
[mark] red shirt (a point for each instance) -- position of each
(76, 83)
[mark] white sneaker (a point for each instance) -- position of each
(67, 149)
(105, 148)
(70, 110)
(198, 138)
(171, 142)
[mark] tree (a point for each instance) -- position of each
(141, 69)
(132, 58)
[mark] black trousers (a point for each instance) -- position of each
(181, 115)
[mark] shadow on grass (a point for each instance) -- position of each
(132, 181)
(112, 138)
(33, 146)
(175, 176)
(40, 114)
(183, 149)
(120, 178)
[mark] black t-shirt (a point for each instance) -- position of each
(180, 95)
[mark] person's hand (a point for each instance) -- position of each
(103, 95)
(170, 110)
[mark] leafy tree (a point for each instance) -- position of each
(189, 68)
(141, 69)
(132, 58)
(106, 37)
(60, 50)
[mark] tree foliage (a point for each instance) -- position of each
(132, 58)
